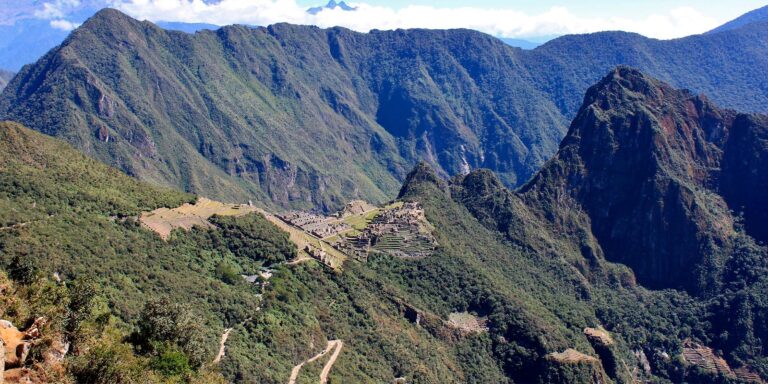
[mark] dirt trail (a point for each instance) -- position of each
(327, 369)
(15, 226)
(222, 345)
(24, 224)
(298, 260)
(225, 337)
(324, 374)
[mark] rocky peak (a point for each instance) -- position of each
(422, 177)
(480, 182)
(109, 18)
(642, 160)
(630, 117)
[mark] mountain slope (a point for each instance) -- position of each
(650, 177)
(80, 224)
(66, 214)
(528, 268)
(303, 117)
(643, 160)
(759, 15)
(337, 128)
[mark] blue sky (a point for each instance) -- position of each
(731, 9)
(662, 19)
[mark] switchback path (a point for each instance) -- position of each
(337, 344)
(331, 361)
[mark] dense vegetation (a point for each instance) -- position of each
(638, 146)
(304, 117)
(537, 264)
(160, 306)
(68, 215)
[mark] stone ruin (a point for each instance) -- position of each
(317, 225)
(355, 207)
(401, 232)
(319, 255)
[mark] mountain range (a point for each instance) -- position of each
(588, 211)
(347, 114)
(537, 270)
(332, 4)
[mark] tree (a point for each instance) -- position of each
(23, 269)
(164, 322)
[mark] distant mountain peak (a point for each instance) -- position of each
(109, 19)
(332, 4)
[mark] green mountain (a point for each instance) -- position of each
(297, 116)
(650, 177)
(524, 286)
(71, 216)
(68, 216)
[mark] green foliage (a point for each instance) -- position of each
(82, 302)
(252, 237)
(228, 273)
(109, 364)
(163, 322)
(23, 268)
(45, 177)
(169, 361)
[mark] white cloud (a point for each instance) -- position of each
(64, 25)
(502, 22)
(56, 9)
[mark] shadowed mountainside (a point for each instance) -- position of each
(662, 181)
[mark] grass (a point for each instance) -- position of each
(359, 222)
(165, 220)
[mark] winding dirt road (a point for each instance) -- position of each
(332, 344)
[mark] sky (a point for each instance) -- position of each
(533, 20)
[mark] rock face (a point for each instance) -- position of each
(16, 346)
(744, 177)
(646, 163)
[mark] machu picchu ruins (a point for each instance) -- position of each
(399, 229)
(317, 225)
